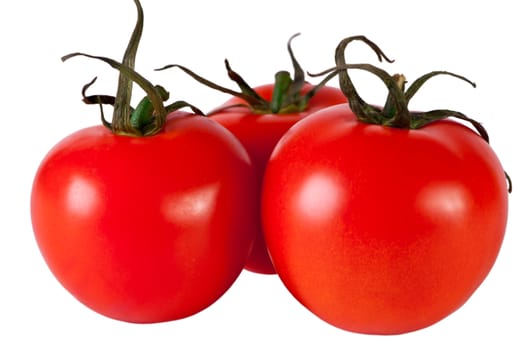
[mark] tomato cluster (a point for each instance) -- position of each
(379, 220)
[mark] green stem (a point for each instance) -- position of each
(152, 92)
(395, 112)
(287, 94)
(142, 116)
(282, 84)
(150, 115)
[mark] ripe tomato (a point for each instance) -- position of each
(146, 229)
(259, 133)
(147, 218)
(378, 229)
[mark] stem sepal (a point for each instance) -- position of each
(395, 112)
(149, 117)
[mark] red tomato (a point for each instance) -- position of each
(382, 230)
(259, 133)
(146, 229)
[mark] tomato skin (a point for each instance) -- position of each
(380, 230)
(259, 133)
(146, 229)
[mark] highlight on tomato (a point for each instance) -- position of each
(260, 116)
(382, 220)
(147, 218)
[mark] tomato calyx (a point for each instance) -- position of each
(286, 97)
(149, 117)
(395, 112)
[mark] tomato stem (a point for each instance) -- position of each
(149, 117)
(282, 84)
(395, 112)
(286, 98)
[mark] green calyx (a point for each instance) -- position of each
(149, 117)
(286, 98)
(395, 112)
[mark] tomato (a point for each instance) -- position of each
(146, 229)
(149, 217)
(378, 229)
(259, 133)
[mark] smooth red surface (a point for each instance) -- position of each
(382, 230)
(146, 229)
(259, 133)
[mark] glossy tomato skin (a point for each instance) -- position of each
(259, 133)
(146, 229)
(380, 230)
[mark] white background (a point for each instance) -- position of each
(40, 99)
